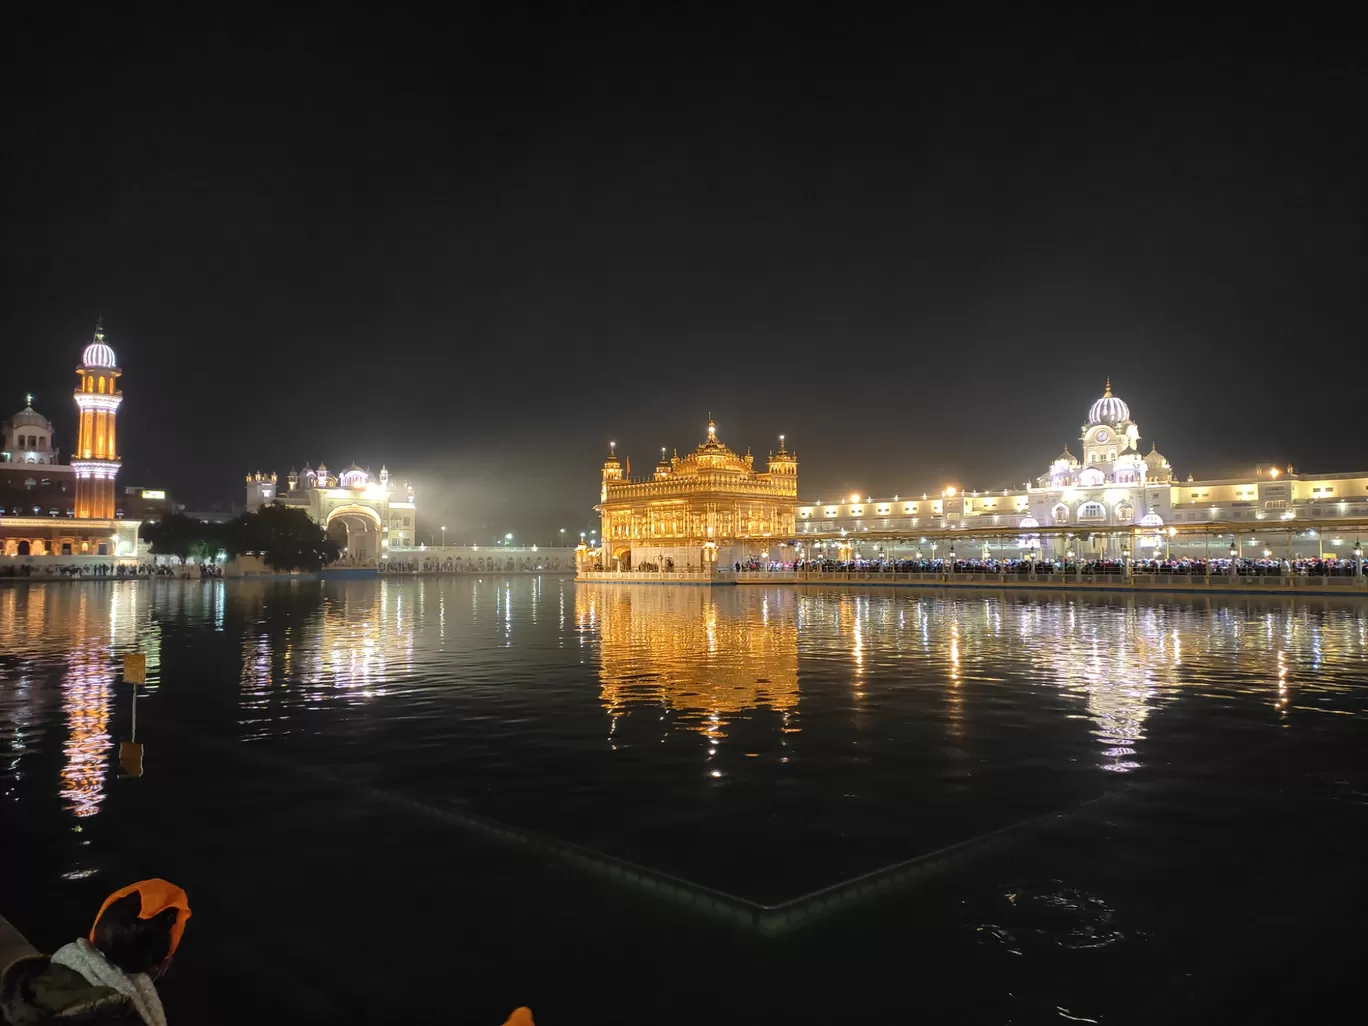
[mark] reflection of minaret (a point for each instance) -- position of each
(96, 458)
(87, 689)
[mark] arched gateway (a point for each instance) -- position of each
(365, 514)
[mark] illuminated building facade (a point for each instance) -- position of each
(52, 509)
(364, 516)
(711, 507)
(96, 459)
(1112, 488)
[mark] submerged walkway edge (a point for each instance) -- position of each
(769, 920)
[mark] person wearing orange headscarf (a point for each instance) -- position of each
(106, 977)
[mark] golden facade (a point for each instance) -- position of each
(707, 507)
(38, 488)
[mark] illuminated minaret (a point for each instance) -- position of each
(96, 459)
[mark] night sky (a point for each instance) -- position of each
(477, 249)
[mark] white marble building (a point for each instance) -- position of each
(1111, 484)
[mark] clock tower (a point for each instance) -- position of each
(1109, 433)
(96, 460)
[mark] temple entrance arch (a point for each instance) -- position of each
(356, 529)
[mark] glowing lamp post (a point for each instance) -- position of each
(444, 536)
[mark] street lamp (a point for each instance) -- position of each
(508, 538)
(443, 536)
(562, 531)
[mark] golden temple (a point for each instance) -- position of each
(694, 512)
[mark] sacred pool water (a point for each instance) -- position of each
(437, 799)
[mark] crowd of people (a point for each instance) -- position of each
(1063, 568)
(96, 571)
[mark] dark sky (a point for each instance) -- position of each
(476, 249)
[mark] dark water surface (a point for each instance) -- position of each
(303, 743)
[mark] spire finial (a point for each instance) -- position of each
(99, 327)
(1107, 393)
(28, 400)
(712, 428)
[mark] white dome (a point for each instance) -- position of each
(354, 477)
(1151, 519)
(29, 417)
(1108, 410)
(97, 354)
(1028, 522)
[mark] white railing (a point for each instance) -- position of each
(694, 577)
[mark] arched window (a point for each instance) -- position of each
(1125, 512)
(1276, 504)
(1092, 511)
(1060, 514)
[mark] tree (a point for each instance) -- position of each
(286, 538)
(175, 534)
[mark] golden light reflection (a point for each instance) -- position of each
(671, 647)
(87, 693)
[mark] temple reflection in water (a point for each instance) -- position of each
(676, 649)
(303, 645)
(86, 628)
(710, 657)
